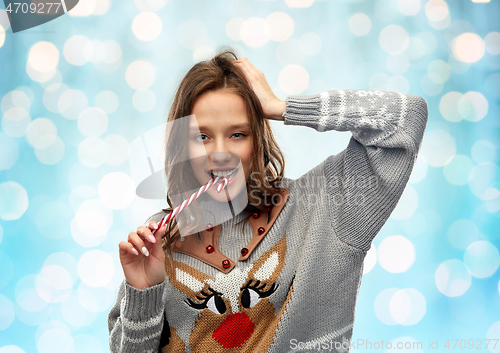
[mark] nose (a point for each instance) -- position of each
(220, 158)
(220, 155)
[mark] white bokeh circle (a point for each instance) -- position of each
(293, 79)
(396, 254)
(370, 259)
(407, 306)
(438, 147)
(43, 57)
(394, 39)
(147, 26)
(360, 24)
(55, 340)
(96, 268)
(13, 201)
(280, 26)
(72, 103)
(51, 154)
(452, 278)
(254, 32)
(482, 258)
(468, 47)
(116, 190)
(42, 133)
(15, 122)
(140, 74)
(78, 50)
(92, 152)
(93, 122)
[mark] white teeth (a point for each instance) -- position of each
(225, 173)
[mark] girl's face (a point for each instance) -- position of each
(221, 132)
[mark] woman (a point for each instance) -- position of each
(284, 273)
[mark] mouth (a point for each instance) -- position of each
(227, 173)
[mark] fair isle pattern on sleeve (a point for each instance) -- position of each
(361, 112)
(132, 325)
(387, 130)
(137, 319)
(139, 340)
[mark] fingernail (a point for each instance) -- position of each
(145, 251)
(135, 251)
(151, 238)
(154, 225)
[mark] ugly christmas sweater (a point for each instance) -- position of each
(291, 280)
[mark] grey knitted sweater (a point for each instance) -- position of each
(296, 290)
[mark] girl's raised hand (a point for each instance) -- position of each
(273, 106)
(142, 257)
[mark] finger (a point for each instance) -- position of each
(252, 74)
(157, 249)
(152, 225)
(126, 248)
(250, 65)
(246, 73)
(136, 240)
(145, 233)
(159, 233)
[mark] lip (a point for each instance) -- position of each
(232, 178)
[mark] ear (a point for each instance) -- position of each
(269, 266)
(185, 278)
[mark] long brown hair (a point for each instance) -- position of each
(267, 162)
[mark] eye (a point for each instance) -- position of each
(211, 300)
(216, 304)
(239, 133)
(197, 137)
(249, 298)
(254, 291)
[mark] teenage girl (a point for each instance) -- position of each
(284, 273)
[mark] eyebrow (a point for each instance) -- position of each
(235, 126)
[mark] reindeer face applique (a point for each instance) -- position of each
(235, 313)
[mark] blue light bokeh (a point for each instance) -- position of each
(76, 91)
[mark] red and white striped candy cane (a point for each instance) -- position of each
(224, 180)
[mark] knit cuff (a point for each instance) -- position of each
(303, 110)
(143, 304)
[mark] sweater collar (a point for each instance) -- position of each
(204, 245)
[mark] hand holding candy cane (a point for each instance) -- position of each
(149, 270)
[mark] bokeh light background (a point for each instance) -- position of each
(76, 91)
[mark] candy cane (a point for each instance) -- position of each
(193, 197)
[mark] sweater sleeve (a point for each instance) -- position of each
(365, 181)
(136, 320)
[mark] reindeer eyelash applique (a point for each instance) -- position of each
(212, 301)
(252, 292)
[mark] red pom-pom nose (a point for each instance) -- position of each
(234, 331)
